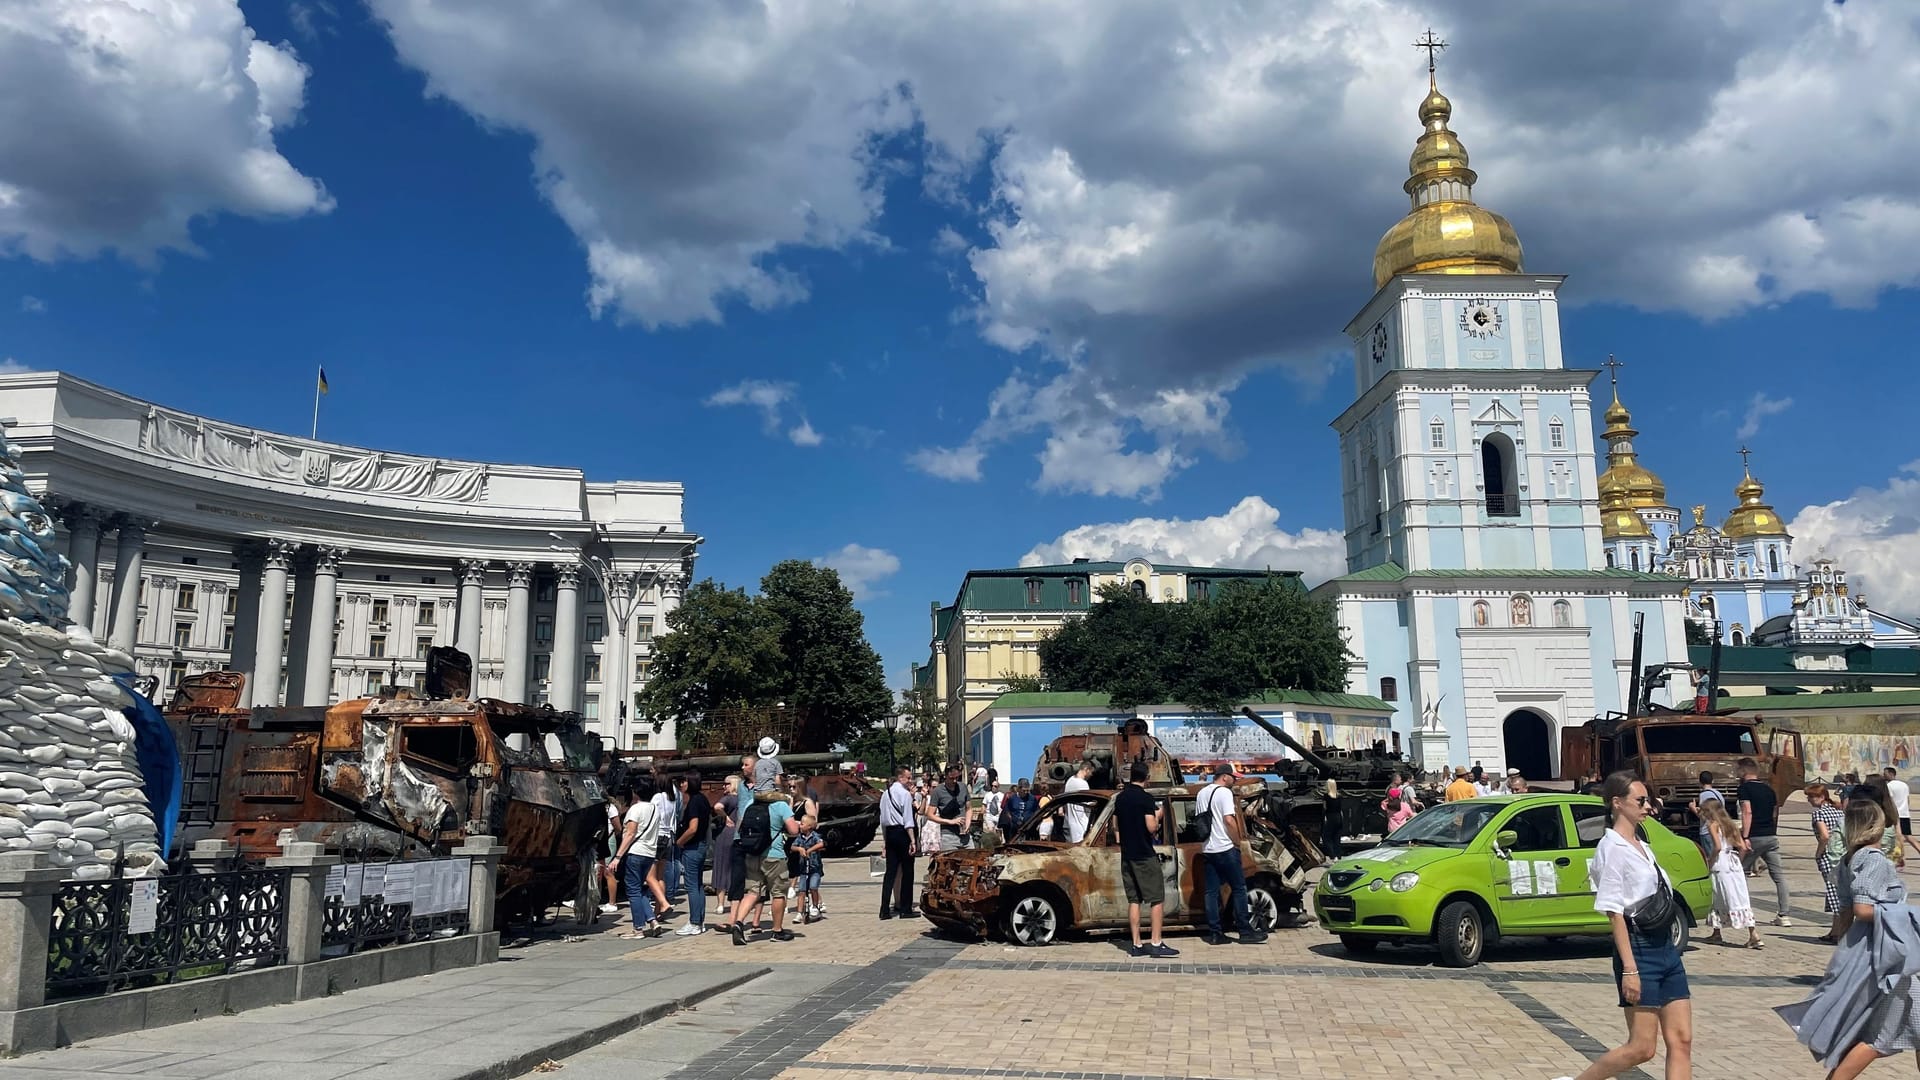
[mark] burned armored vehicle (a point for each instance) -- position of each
(1110, 753)
(1362, 778)
(402, 774)
(1040, 885)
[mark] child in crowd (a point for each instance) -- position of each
(808, 845)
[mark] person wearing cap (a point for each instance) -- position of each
(1461, 788)
(1221, 857)
(1516, 784)
(766, 771)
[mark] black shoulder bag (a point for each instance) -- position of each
(1654, 915)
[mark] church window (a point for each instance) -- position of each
(1389, 689)
(1073, 590)
(1773, 561)
(1139, 589)
(1556, 434)
(1739, 638)
(1033, 592)
(1501, 476)
(1374, 501)
(1636, 558)
(1609, 558)
(1562, 613)
(1522, 610)
(1481, 612)
(1437, 435)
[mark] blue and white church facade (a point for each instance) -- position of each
(1479, 599)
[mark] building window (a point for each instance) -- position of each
(643, 630)
(379, 611)
(1139, 589)
(1437, 436)
(1773, 560)
(189, 560)
(233, 602)
(641, 669)
(641, 740)
(1389, 688)
(1033, 592)
(593, 667)
(1609, 558)
(184, 598)
(1073, 590)
(226, 639)
(1636, 558)
(374, 681)
(543, 629)
(1203, 590)
(594, 595)
(1481, 612)
(542, 666)
(182, 635)
(429, 581)
(420, 647)
(376, 645)
(424, 616)
(1739, 638)
(1562, 613)
(543, 590)
(1501, 476)
(596, 628)
(175, 672)
(1556, 434)
(590, 708)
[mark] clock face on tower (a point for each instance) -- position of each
(1379, 342)
(1480, 318)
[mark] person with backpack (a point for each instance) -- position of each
(764, 827)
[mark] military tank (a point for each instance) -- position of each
(1363, 777)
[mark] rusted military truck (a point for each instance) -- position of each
(1669, 751)
(401, 774)
(849, 806)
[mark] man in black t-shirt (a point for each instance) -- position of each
(1759, 824)
(1138, 818)
(696, 821)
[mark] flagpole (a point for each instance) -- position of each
(315, 434)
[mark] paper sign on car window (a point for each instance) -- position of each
(1546, 879)
(1520, 878)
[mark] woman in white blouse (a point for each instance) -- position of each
(1646, 966)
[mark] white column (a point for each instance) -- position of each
(473, 574)
(83, 549)
(268, 637)
(326, 586)
(299, 621)
(563, 673)
(128, 561)
(519, 612)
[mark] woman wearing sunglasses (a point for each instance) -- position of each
(1639, 901)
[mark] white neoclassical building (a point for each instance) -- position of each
(325, 571)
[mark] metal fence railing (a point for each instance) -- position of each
(125, 933)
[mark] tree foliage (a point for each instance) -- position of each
(1211, 655)
(1698, 634)
(919, 742)
(1021, 684)
(799, 643)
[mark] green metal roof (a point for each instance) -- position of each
(1389, 571)
(1768, 660)
(1070, 699)
(1873, 699)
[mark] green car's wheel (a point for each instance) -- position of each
(1358, 943)
(1680, 935)
(1461, 934)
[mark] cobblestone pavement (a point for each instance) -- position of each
(1295, 1006)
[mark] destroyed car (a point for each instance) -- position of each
(1039, 886)
(1463, 875)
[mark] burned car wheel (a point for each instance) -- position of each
(1032, 919)
(1263, 906)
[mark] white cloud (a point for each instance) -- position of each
(802, 434)
(143, 118)
(1246, 536)
(772, 399)
(1872, 534)
(1759, 409)
(949, 462)
(948, 241)
(861, 568)
(32, 305)
(1164, 197)
(10, 366)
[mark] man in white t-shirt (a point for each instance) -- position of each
(1220, 855)
(1899, 794)
(1077, 815)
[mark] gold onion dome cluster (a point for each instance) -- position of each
(1635, 483)
(1446, 232)
(1618, 521)
(1752, 517)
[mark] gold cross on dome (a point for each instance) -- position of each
(1745, 455)
(1433, 45)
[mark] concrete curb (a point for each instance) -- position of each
(573, 1044)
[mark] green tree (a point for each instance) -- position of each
(1268, 635)
(919, 741)
(828, 671)
(721, 649)
(1698, 634)
(1022, 684)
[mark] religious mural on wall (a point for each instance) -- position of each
(1873, 741)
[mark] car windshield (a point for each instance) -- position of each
(1446, 825)
(1717, 740)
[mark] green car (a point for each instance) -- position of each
(1464, 874)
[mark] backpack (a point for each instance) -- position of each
(755, 835)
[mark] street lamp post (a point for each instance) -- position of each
(892, 721)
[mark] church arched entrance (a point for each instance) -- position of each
(1528, 737)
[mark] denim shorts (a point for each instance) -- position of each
(1663, 979)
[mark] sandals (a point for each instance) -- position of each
(1756, 943)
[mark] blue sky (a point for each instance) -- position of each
(1106, 325)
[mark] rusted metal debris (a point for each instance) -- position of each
(849, 806)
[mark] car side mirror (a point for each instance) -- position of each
(1504, 841)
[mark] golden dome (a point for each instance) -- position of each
(1620, 521)
(1637, 484)
(1752, 517)
(1446, 232)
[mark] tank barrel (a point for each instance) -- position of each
(730, 762)
(1287, 741)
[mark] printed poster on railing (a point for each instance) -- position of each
(399, 883)
(373, 881)
(143, 906)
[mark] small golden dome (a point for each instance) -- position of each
(1752, 517)
(1639, 486)
(1446, 232)
(1620, 521)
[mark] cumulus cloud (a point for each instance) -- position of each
(772, 400)
(1872, 534)
(142, 119)
(949, 462)
(10, 366)
(33, 305)
(1247, 536)
(861, 568)
(1759, 409)
(1156, 197)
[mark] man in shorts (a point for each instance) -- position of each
(767, 876)
(1141, 875)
